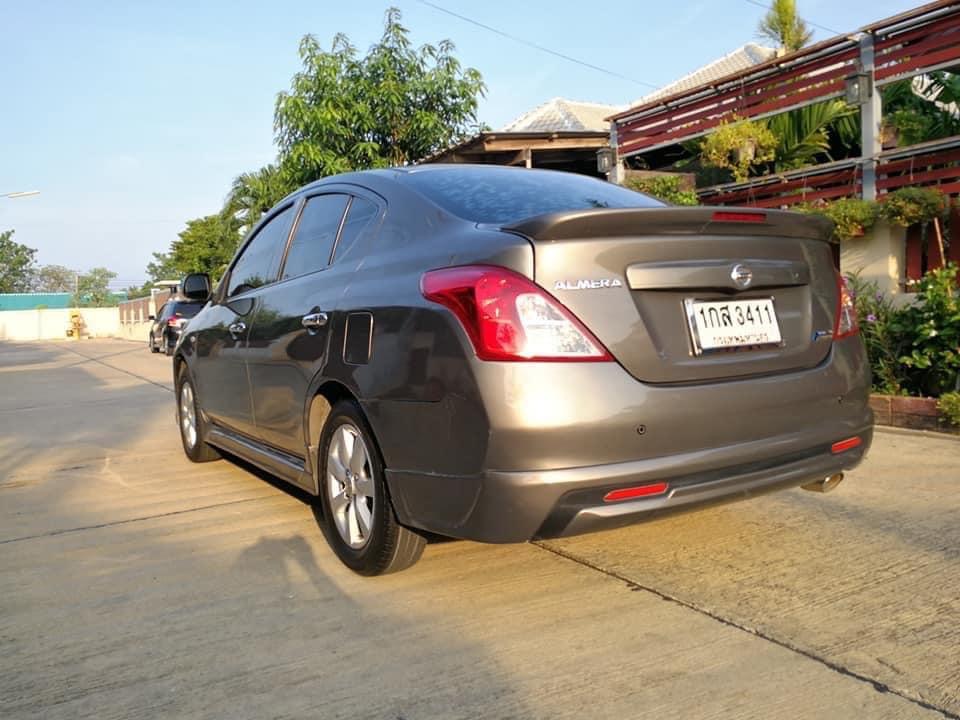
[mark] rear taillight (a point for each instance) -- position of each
(846, 322)
(173, 322)
(508, 317)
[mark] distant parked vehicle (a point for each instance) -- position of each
(169, 322)
(504, 354)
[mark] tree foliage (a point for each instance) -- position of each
(206, 245)
(93, 289)
(17, 266)
(783, 26)
(395, 105)
(923, 108)
(54, 279)
(253, 193)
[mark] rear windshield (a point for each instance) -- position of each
(501, 195)
(187, 310)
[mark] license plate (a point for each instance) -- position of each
(724, 324)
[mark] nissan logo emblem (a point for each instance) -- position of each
(742, 276)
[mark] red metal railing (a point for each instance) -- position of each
(935, 163)
(921, 40)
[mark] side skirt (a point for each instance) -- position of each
(276, 462)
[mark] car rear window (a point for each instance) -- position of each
(187, 310)
(502, 195)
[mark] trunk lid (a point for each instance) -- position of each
(636, 277)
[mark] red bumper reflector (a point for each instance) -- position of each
(635, 492)
(843, 445)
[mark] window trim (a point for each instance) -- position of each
(304, 199)
(372, 198)
(264, 221)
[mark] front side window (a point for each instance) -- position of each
(316, 233)
(261, 257)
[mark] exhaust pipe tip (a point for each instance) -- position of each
(826, 485)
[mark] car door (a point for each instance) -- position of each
(157, 325)
(297, 319)
(220, 366)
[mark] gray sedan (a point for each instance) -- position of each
(504, 354)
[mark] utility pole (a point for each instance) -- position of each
(871, 143)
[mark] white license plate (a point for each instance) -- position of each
(722, 324)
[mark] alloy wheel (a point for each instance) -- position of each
(188, 415)
(350, 486)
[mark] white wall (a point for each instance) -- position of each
(879, 256)
(52, 324)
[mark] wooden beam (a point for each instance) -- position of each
(502, 144)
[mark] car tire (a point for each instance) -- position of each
(190, 421)
(358, 518)
(152, 344)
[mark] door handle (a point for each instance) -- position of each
(237, 328)
(314, 321)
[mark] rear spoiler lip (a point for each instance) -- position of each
(617, 222)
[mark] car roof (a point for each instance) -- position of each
(380, 176)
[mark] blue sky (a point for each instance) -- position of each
(132, 117)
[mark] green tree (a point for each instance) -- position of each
(395, 105)
(253, 193)
(783, 26)
(206, 245)
(16, 264)
(93, 289)
(54, 279)
(162, 268)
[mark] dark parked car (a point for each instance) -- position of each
(169, 322)
(503, 354)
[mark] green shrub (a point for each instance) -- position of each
(949, 405)
(932, 326)
(913, 205)
(668, 188)
(851, 217)
(914, 350)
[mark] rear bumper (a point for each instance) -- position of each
(502, 507)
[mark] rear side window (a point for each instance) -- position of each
(260, 260)
(503, 195)
(359, 215)
(315, 235)
(186, 310)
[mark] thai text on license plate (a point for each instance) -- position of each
(720, 324)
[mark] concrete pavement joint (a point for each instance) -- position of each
(840, 669)
(114, 367)
(66, 531)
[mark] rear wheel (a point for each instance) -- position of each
(359, 520)
(152, 344)
(193, 427)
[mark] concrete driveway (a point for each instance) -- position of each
(136, 585)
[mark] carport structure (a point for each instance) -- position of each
(854, 66)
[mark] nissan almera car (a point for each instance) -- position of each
(504, 354)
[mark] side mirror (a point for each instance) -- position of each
(196, 286)
(151, 317)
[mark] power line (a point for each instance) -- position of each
(809, 22)
(541, 48)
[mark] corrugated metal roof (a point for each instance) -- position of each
(562, 115)
(742, 58)
(30, 301)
